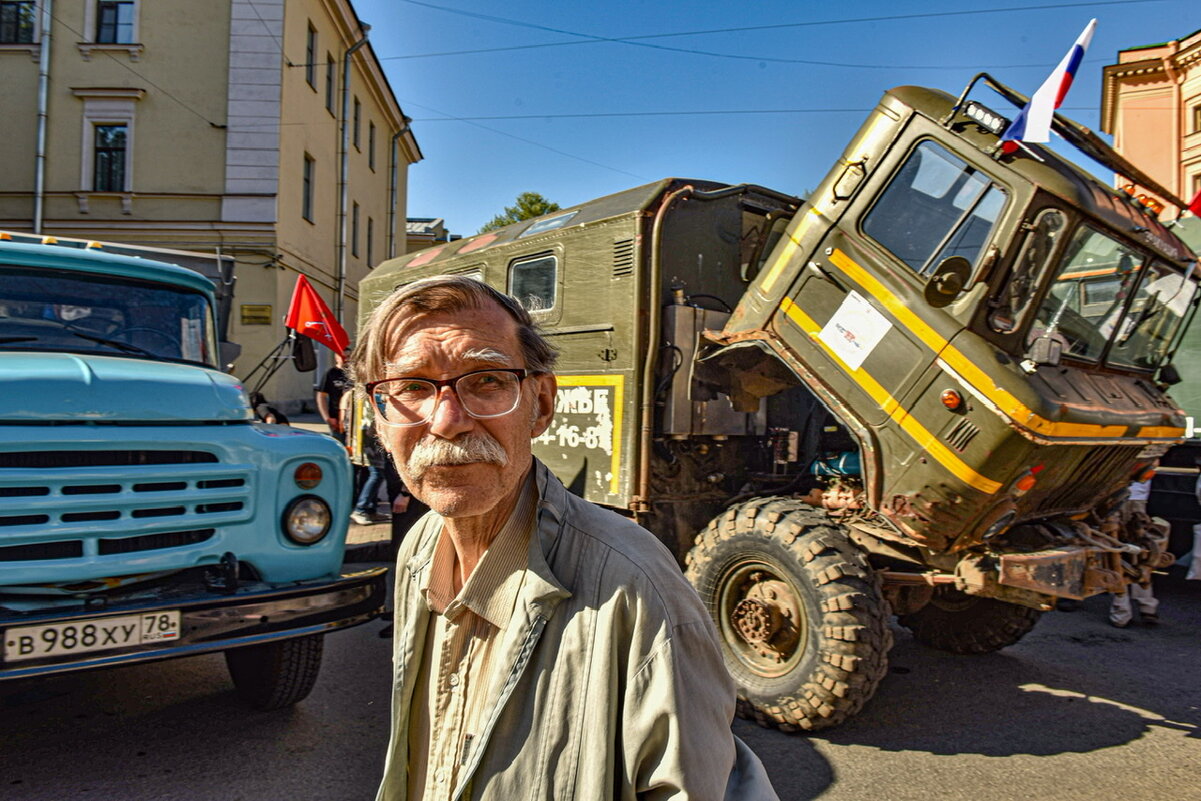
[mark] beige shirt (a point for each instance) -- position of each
(457, 663)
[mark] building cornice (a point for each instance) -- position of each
(1168, 66)
(111, 92)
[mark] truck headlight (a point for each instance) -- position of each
(307, 519)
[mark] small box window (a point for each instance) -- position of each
(549, 224)
(533, 281)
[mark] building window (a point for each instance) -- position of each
(358, 122)
(1197, 118)
(310, 57)
(1196, 186)
(306, 195)
(371, 145)
(17, 22)
(114, 21)
(354, 230)
(370, 242)
(329, 81)
(108, 158)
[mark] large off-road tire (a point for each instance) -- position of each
(276, 674)
(967, 624)
(801, 617)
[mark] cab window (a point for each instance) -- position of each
(1091, 257)
(936, 206)
(1149, 328)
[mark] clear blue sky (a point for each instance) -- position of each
(772, 104)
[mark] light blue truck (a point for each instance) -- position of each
(144, 513)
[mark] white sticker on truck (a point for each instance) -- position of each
(855, 330)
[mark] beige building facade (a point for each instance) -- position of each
(1151, 103)
(214, 127)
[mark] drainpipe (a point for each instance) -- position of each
(392, 175)
(343, 173)
(39, 175)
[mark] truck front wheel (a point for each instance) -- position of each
(801, 616)
(276, 674)
(967, 624)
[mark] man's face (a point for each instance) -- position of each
(446, 345)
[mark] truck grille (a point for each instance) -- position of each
(1097, 469)
(78, 504)
(40, 459)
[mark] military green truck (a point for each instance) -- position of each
(903, 395)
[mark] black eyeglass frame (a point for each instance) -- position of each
(439, 383)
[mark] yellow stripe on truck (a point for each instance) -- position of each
(976, 379)
(926, 440)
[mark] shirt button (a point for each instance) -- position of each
(440, 776)
(454, 680)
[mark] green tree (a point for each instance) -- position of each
(528, 205)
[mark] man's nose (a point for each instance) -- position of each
(450, 418)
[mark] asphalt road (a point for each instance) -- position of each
(1077, 710)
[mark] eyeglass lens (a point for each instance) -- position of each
(412, 400)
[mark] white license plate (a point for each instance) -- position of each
(85, 636)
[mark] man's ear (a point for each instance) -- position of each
(545, 390)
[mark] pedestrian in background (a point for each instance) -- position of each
(333, 386)
(1121, 609)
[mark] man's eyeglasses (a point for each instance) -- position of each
(481, 393)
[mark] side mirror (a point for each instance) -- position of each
(1046, 349)
(303, 355)
(1169, 375)
(948, 281)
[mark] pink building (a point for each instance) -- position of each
(1151, 103)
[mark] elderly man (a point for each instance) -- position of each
(544, 648)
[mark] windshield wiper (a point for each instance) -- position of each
(10, 340)
(112, 343)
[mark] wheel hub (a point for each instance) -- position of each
(756, 621)
(767, 618)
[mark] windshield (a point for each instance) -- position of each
(52, 310)
(1106, 291)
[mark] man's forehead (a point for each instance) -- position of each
(437, 339)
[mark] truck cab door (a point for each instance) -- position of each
(862, 306)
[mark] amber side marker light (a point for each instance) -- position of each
(1027, 482)
(307, 475)
(951, 399)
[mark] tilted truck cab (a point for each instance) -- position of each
(921, 391)
(144, 514)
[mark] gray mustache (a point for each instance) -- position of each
(467, 448)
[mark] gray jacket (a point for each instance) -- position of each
(614, 687)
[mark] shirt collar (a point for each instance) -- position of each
(491, 589)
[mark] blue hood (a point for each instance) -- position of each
(63, 386)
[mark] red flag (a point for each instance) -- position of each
(308, 315)
(1195, 206)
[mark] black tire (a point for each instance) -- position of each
(967, 624)
(801, 617)
(276, 674)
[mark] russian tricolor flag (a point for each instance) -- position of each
(1033, 123)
